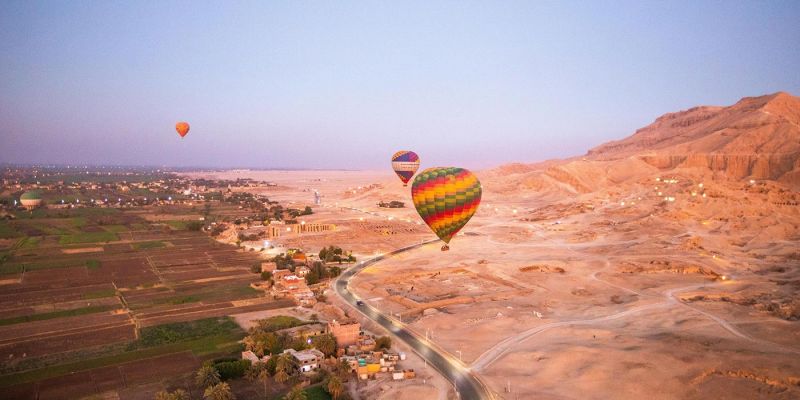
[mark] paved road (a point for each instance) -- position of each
(469, 387)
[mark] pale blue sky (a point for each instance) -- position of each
(335, 84)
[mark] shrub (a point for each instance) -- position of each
(232, 369)
(383, 342)
(194, 225)
(181, 331)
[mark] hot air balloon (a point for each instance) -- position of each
(405, 164)
(446, 199)
(182, 128)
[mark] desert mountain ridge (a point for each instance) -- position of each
(756, 138)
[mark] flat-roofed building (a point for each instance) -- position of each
(306, 360)
(346, 333)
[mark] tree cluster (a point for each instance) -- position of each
(283, 261)
(319, 272)
(392, 204)
(383, 343)
(335, 254)
(263, 339)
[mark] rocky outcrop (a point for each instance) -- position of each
(756, 138)
(735, 166)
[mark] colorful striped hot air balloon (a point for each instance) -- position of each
(182, 128)
(446, 199)
(405, 165)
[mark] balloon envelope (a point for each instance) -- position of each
(405, 165)
(182, 128)
(446, 199)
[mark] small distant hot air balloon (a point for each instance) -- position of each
(446, 199)
(405, 165)
(182, 128)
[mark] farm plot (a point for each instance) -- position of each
(46, 338)
(127, 272)
(80, 296)
(185, 293)
(112, 378)
(211, 310)
(28, 295)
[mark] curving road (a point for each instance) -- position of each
(467, 385)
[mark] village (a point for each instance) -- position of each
(367, 357)
(206, 252)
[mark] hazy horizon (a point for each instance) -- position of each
(343, 86)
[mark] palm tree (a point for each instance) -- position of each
(260, 374)
(335, 387)
(326, 344)
(285, 363)
(281, 376)
(297, 393)
(343, 370)
(179, 394)
(207, 376)
(220, 391)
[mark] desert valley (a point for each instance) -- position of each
(662, 265)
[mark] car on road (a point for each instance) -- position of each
(359, 303)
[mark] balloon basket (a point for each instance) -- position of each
(445, 248)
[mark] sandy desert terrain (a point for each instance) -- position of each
(664, 265)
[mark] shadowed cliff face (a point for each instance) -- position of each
(756, 138)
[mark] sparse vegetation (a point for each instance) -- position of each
(88, 237)
(383, 343)
(153, 244)
(183, 331)
(262, 339)
(99, 294)
(391, 204)
(178, 394)
(232, 369)
(325, 343)
(56, 314)
(221, 391)
(207, 376)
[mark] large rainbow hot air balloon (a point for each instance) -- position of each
(446, 199)
(405, 164)
(182, 128)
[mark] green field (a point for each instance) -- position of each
(47, 227)
(88, 237)
(177, 225)
(155, 244)
(56, 314)
(213, 336)
(99, 294)
(93, 264)
(14, 268)
(65, 213)
(279, 322)
(177, 300)
(116, 228)
(316, 392)
(27, 243)
(10, 269)
(7, 231)
(78, 222)
(188, 294)
(184, 331)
